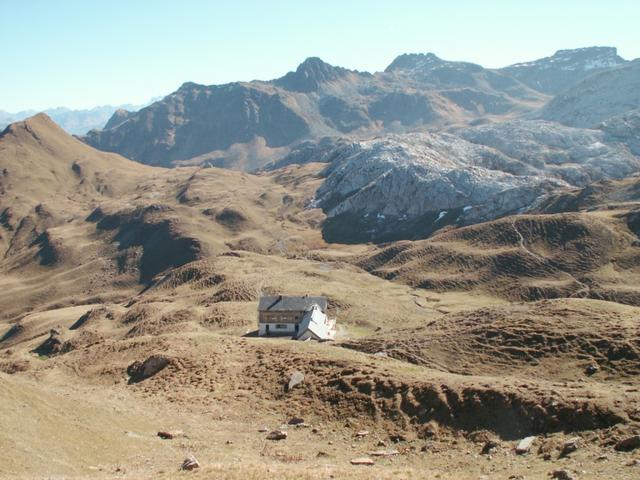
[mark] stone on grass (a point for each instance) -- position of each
(489, 447)
(524, 445)
(562, 475)
(170, 435)
(277, 435)
(570, 446)
(296, 379)
(629, 443)
(591, 369)
(190, 463)
(362, 461)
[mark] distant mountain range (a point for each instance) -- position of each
(246, 125)
(565, 68)
(77, 122)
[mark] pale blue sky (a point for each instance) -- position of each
(85, 53)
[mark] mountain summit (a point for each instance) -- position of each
(565, 68)
(246, 125)
(309, 75)
(426, 62)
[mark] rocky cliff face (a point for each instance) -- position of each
(565, 68)
(408, 186)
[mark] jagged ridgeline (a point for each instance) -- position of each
(245, 125)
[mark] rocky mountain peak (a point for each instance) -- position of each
(187, 87)
(414, 61)
(589, 58)
(309, 75)
(427, 63)
(119, 116)
(565, 67)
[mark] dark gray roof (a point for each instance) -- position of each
(280, 303)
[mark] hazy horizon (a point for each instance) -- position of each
(121, 53)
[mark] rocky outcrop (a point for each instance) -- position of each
(565, 68)
(408, 186)
(139, 371)
(577, 156)
(310, 75)
(597, 98)
(624, 128)
(411, 185)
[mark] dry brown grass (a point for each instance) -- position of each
(428, 304)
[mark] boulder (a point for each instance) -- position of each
(562, 475)
(570, 446)
(591, 369)
(489, 447)
(296, 379)
(629, 443)
(170, 435)
(277, 435)
(139, 371)
(190, 463)
(524, 445)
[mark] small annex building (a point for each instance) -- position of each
(300, 317)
